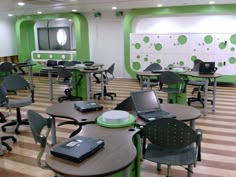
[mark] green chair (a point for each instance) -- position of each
(172, 143)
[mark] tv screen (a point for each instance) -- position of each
(54, 38)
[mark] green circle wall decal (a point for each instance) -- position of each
(158, 46)
(145, 59)
(232, 49)
(158, 61)
(208, 39)
(181, 63)
(233, 39)
(220, 64)
(193, 58)
(232, 60)
(182, 39)
(137, 45)
(138, 56)
(222, 45)
(136, 65)
(146, 39)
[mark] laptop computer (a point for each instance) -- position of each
(87, 106)
(77, 148)
(148, 107)
(207, 68)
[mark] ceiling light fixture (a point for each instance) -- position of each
(159, 5)
(212, 2)
(114, 8)
(39, 12)
(74, 10)
(10, 15)
(21, 3)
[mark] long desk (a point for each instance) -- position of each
(149, 74)
(119, 151)
(74, 69)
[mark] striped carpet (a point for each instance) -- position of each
(218, 146)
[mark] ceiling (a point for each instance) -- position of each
(55, 6)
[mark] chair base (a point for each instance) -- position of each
(3, 138)
(15, 123)
(109, 94)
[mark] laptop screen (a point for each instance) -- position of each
(145, 101)
(206, 68)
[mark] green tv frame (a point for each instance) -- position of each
(26, 41)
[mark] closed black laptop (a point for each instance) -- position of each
(148, 107)
(77, 148)
(207, 68)
(87, 106)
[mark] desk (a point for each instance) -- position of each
(116, 156)
(149, 74)
(74, 69)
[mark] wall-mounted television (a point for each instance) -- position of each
(54, 38)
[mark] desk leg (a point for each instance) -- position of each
(206, 96)
(30, 73)
(192, 124)
(148, 83)
(88, 85)
(102, 86)
(141, 83)
(1, 150)
(50, 84)
(53, 131)
(126, 172)
(214, 96)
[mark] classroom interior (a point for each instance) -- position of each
(132, 39)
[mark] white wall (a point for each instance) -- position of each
(106, 40)
(8, 45)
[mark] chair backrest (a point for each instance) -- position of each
(196, 65)
(69, 63)
(63, 73)
(51, 62)
(126, 105)
(169, 133)
(6, 67)
(153, 66)
(170, 78)
(15, 82)
(61, 62)
(37, 124)
(110, 70)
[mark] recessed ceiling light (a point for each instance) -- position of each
(10, 15)
(159, 5)
(21, 3)
(212, 2)
(39, 12)
(114, 8)
(74, 10)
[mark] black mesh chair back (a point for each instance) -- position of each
(153, 66)
(51, 62)
(126, 105)
(196, 65)
(6, 69)
(3, 96)
(61, 62)
(170, 78)
(15, 82)
(37, 125)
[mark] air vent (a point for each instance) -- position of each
(44, 2)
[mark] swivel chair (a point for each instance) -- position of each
(167, 79)
(37, 125)
(16, 83)
(198, 86)
(108, 76)
(3, 138)
(172, 142)
(49, 63)
(6, 68)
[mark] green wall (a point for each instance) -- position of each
(170, 11)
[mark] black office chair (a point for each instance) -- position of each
(107, 76)
(4, 138)
(66, 76)
(153, 81)
(16, 83)
(37, 125)
(49, 63)
(172, 143)
(199, 86)
(6, 68)
(169, 78)
(126, 105)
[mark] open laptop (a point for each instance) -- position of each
(207, 68)
(77, 148)
(148, 107)
(87, 106)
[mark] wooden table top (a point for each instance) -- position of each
(117, 154)
(66, 109)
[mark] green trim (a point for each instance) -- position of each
(131, 15)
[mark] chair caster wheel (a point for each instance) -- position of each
(3, 129)
(14, 139)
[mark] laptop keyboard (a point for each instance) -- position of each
(158, 114)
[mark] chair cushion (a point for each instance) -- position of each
(157, 154)
(171, 90)
(196, 83)
(20, 103)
